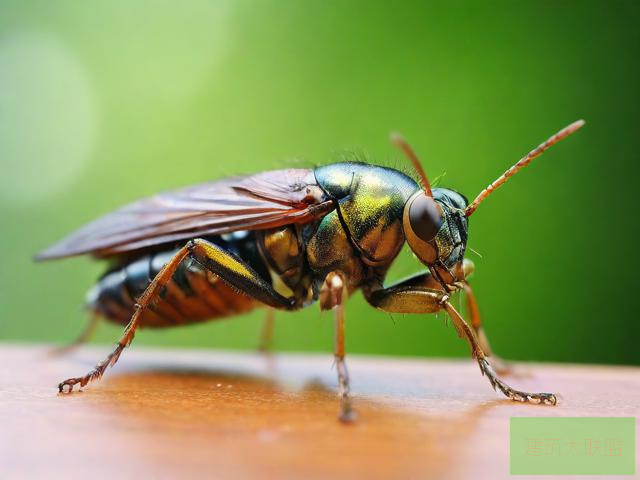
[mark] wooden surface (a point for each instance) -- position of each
(195, 414)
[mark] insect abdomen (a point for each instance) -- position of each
(192, 295)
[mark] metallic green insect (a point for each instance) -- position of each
(285, 239)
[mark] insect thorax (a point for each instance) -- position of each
(370, 202)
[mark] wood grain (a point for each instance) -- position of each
(194, 414)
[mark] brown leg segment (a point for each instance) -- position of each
(501, 367)
(84, 336)
(332, 296)
(266, 335)
(463, 328)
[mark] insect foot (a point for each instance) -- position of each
(511, 393)
(537, 398)
(69, 383)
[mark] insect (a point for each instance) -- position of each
(286, 239)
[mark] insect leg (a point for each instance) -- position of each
(421, 293)
(332, 296)
(237, 273)
(500, 366)
(266, 335)
(149, 295)
(228, 267)
(477, 352)
(86, 333)
(411, 296)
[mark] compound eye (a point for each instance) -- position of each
(425, 217)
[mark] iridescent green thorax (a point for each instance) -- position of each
(370, 202)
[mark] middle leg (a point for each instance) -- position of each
(332, 296)
(266, 334)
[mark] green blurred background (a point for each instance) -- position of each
(105, 102)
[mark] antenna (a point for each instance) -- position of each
(523, 162)
(399, 141)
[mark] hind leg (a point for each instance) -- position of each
(149, 295)
(225, 265)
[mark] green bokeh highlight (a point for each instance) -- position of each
(195, 91)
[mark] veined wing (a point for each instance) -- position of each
(254, 202)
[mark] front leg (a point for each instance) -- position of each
(420, 293)
(412, 296)
(485, 367)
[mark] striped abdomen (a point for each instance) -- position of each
(192, 295)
